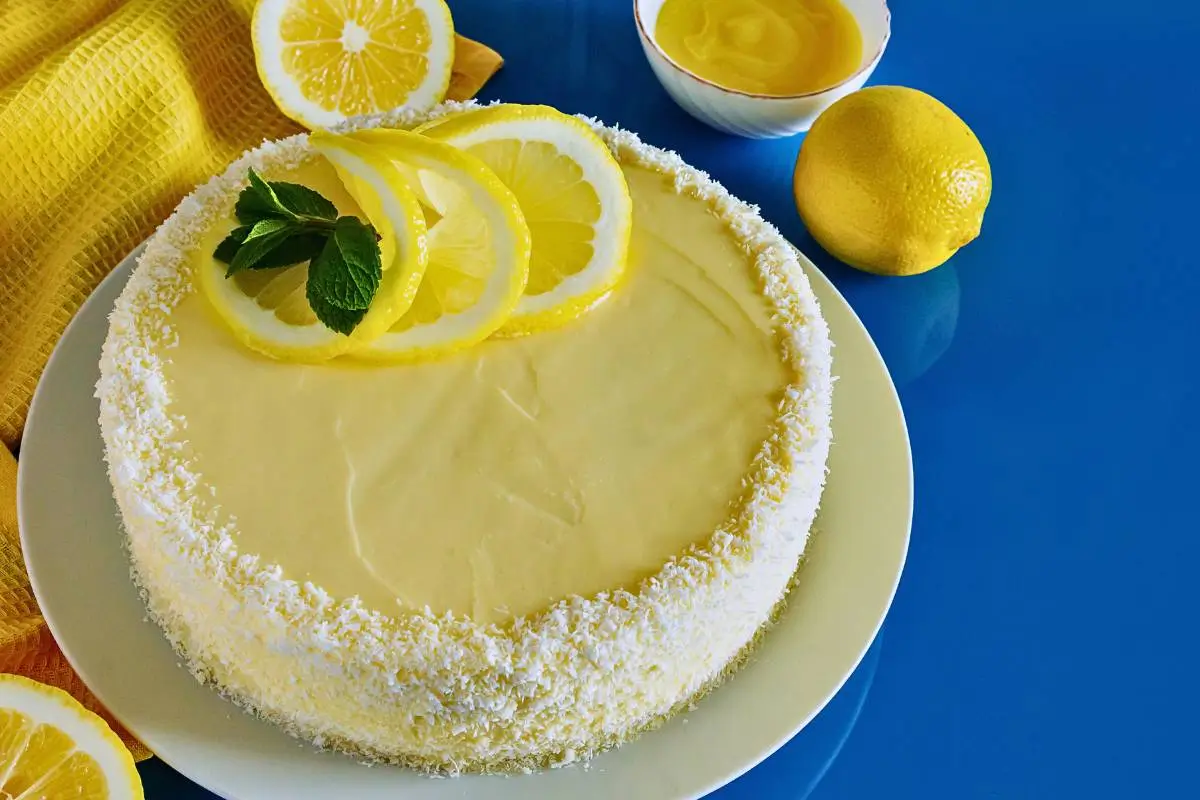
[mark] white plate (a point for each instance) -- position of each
(72, 543)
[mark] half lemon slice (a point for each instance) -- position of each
(268, 311)
(51, 746)
(573, 196)
(325, 60)
(478, 245)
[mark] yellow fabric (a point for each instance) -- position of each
(110, 111)
(26, 646)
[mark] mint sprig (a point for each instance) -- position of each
(344, 275)
(284, 224)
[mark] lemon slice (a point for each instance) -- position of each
(51, 746)
(325, 60)
(478, 245)
(268, 311)
(574, 198)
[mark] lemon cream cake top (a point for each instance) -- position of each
(504, 558)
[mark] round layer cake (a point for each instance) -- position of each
(505, 559)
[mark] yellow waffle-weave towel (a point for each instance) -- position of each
(110, 111)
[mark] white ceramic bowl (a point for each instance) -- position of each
(760, 116)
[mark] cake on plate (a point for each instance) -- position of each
(504, 558)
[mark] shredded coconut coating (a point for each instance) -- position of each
(442, 693)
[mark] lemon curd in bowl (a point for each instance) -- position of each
(506, 558)
(761, 68)
(762, 46)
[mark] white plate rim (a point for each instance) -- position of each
(106, 690)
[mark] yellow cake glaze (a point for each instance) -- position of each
(560, 539)
(571, 462)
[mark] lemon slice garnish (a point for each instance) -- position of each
(478, 245)
(268, 311)
(51, 746)
(573, 196)
(324, 61)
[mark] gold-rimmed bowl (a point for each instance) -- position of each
(760, 116)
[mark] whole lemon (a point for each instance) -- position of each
(891, 181)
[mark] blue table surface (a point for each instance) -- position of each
(1038, 646)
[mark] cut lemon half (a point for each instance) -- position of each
(51, 747)
(574, 198)
(325, 60)
(268, 311)
(478, 245)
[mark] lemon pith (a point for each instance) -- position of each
(890, 180)
(268, 312)
(573, 196)
(380, 191)
(478, 245)
(323, 62)
(51, 746)
(467, 251)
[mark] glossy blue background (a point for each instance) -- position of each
(1042, 642)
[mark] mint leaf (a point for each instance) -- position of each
(285, 224)
(303, 201)
(266, 227)
(334, 318)
(258, 201)
(348, 271)
(228, 247)
(251, 207)
(296, 249)
(261, 186)
(281, 200)
(326, 272)
(359, 247)
(252, 251)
